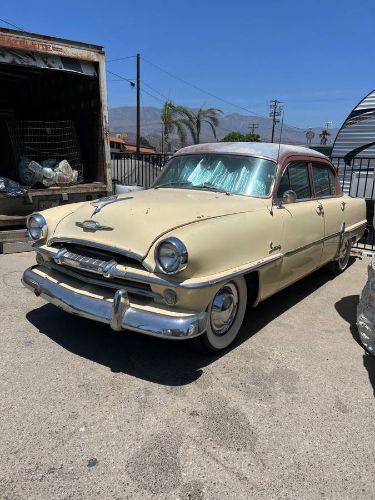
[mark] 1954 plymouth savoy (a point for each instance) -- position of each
(224, 225)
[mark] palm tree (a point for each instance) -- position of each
(171, 117)
(324, 134)
(195, 119)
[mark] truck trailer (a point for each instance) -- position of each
(53, 107)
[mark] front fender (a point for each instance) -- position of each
(55, 215)
(225, 243)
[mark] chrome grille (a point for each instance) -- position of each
(132, 287)
(97, 253)
(97, 267)
(90, 264)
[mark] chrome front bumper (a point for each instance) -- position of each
(118, 313)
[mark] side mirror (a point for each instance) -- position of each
(289, 197)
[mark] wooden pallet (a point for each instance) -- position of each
(14, 240)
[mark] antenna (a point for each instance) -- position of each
(281, 133)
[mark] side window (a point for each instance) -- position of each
(284, 184)
(324, 180)
(296, 178)
(299, 179)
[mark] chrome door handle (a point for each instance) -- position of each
(320, 209)
(343, 205)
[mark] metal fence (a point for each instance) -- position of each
(137, 169)
(357, 180)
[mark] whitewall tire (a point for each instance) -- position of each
(225, 315)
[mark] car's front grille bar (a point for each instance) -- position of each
(97, 266)
(131, 288)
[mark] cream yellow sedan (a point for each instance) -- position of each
(225, 225)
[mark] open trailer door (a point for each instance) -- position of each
(53, 126)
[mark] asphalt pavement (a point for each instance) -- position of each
(288, 412)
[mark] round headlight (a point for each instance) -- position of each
(171, 256)
(37, 227)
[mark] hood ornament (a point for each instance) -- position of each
(92, 225)
(108, 200)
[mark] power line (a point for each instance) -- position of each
(191, 85)
(121, 59)
(153, 96)
(121, 77)
(115, 80)
(11, 24)
(155, 90)
(211, 94)
(202, 90)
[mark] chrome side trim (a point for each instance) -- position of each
(119, 313)
(356, 227)
(343, 231)
(313, 243)
(233, 274)
(100, 246)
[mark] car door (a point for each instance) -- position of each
(332, 206)
(303, 225)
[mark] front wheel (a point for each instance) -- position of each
(225, 315)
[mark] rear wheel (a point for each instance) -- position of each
(341, 263)
(225, 316)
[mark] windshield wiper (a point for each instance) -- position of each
(210, 187)
(173, 183)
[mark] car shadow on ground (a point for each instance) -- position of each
(347, 309)
(171, 363)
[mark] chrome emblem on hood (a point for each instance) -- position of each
(108, 200)
(92, 226)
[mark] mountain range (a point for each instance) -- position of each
(123, 120)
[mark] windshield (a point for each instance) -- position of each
(227, 173)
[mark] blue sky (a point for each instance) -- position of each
(316, 56)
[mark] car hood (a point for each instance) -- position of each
(134, 221)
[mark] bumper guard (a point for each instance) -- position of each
(119, 313)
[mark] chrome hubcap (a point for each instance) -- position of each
(344, 252)
(224, 309)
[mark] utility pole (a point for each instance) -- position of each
(328, 124)
(253, 127)
(138, 144)
(275, 111)
(162, 137)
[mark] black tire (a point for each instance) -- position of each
(213, 340)
(339, 265)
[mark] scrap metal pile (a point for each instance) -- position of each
(47, 154)
(48, 173)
